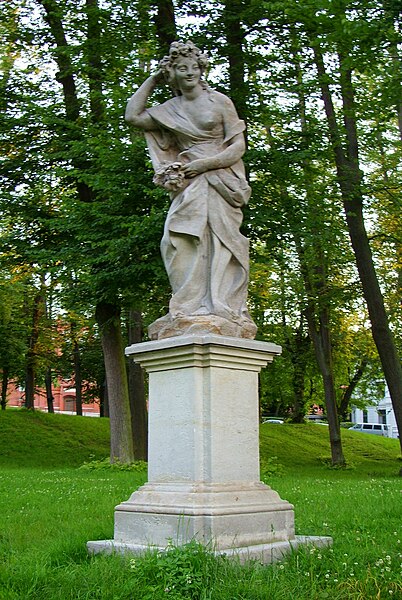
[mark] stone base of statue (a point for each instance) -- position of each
(168, 326)
(204, 454)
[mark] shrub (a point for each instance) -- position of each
(139, 466)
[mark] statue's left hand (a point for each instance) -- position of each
(195, 167)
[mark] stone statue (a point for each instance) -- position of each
(196, 143)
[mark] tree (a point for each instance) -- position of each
(345, 145)
(12, 333)
(84, 153)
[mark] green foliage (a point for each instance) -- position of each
(13, 327)
(269, 467)
(181, 572)
(139, 466)
(103, 245)
(107, 249)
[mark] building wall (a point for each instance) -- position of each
(63, 399)
(379, 413)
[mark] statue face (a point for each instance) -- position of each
(187, 72)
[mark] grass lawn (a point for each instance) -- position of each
(50, 508)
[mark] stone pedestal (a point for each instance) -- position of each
(204, 454)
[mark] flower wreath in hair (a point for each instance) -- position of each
(177, 50)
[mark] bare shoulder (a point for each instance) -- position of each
(225, 104)
(221, 98)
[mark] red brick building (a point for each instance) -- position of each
(63, 399)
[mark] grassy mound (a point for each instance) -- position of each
(37, 439)
(307, 446)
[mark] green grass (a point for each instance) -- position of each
(306, 447)
(37, 439)
(49, 509)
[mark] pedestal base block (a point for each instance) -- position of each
(221, 515)
(263, 553)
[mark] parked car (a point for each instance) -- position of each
(277, 421)
(375, 428)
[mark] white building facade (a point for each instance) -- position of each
(378, 413)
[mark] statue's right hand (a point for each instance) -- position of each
(158, 76)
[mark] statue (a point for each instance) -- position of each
(196, 144)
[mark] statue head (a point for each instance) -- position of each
(177, 51)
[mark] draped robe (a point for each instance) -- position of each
(205, 255)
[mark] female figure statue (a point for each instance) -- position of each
(196, 143)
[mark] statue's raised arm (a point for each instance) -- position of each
(196, 143)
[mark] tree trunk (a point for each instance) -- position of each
(235, 35)
(323, 352)
(103, 400)
(49, 393)
(165, 24)
(315, 283)
(31, 356)
(347, 395)
(121, 438)
(392, 13)
(139, 415)
(29, 384)
(94, 62)
(4, 386)
(65, 76)
(107, 314)
(299, 349)
(349, 180)
(77, 379)
(317, 315)
(382, 334)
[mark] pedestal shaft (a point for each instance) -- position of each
(204, 453)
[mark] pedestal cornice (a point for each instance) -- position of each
(203, 351)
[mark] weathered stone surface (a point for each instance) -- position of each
(203, 469)
(196, 142)
(264, 553)
(167, 326)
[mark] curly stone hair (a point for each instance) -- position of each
(178, 50)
